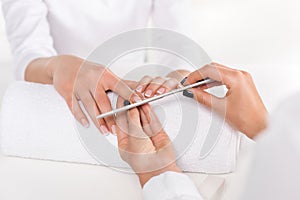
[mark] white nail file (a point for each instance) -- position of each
(128, 107)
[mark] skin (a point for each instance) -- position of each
(242, 106)
(78, 80)
(145, 146)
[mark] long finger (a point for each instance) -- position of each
(143, 84)
(167, 86)
(152, 88)
(121, 128)
(78, 113)
(93, 111)
(109, 81)
(214, 72)
(104, 106)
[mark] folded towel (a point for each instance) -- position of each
(36, 123)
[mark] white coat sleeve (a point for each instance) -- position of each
(170, 186)
(28, 32)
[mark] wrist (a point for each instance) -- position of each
(258, 125)
(145, 177)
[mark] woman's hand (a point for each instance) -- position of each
(149, 86)
(242, 106)
(78, 80)
(143, 144)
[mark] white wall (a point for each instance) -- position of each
(5, 59)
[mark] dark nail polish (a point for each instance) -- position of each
(183, 80)
(126, 103)
(188, 93)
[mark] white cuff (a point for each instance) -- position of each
(170, 185)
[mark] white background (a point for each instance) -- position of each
(261, 36)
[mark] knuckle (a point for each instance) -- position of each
(246, 74)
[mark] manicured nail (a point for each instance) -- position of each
(161, 90)
(104, 130)
(183, 81)
(139, 88)
(84, 123)
(148, 93)
(114, 130)
(188, 93)
(126, 103)
(136, 98)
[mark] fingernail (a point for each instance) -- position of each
(148, 93)
(183, 81)
(161, 90)
(136, 98)
(84, 123)
(188, 93)
(139, 88)
(104, 130)
(126, 103)
(114, 130)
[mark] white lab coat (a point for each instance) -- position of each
(274, 172)
(44, 28)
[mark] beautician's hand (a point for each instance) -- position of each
(242, 106)
(143, 144)
(78, 80)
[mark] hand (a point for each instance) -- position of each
(242, 107)
(78, 80)
(143, 144)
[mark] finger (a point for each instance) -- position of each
(104, 106)
(78, 113)
(121, 128)
(131, 84)
(214, 72)
(145, 123)
(143, 84)
(152, 88)
(134, 124)
(109, 81)
(160, 139)
(167, 86)
(209, 85)
(93, 111)
(203, 97)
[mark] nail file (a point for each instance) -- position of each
(128, 107)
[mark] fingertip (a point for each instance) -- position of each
(188, 93)
(183, 80)
(84, 122)
(126, 103)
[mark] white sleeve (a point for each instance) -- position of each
(170, 185)
(28, 32)
(275, 169)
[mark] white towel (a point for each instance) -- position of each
(36, 123)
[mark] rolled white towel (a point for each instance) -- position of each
(36, 123)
